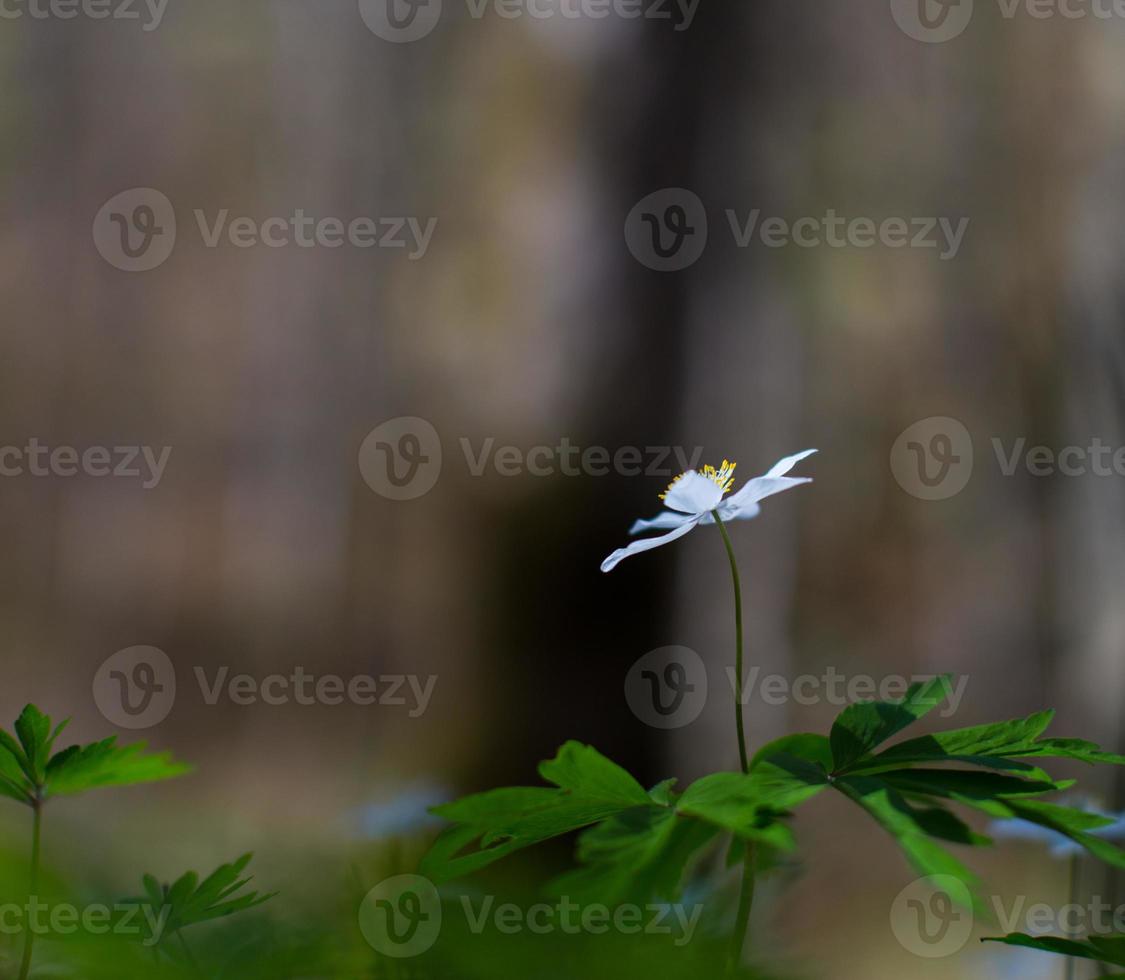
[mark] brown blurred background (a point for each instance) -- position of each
(528, 321)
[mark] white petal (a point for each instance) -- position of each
(646, 544)
(758, 489)
(740, 505)
(731, 511)
(693, 494)
(784, 466)
(661, 522)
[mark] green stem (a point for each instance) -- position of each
(192, 961)
(745, 905)
(1071, 963)
(29, 935)
(746, 892)
(738, 640)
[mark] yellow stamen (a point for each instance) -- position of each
(723, 477)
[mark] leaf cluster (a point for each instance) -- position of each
(188, 901)
(637, 844)
(32, 772)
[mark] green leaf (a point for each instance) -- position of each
(750, 805)
(590, 788)
(582, 769)
(635, 856)
(189, 901)
(81, 768)
(941, 824)
(14, 764)
(1071, 823)
(811, 748)
(910, 828)
(33, 728)
(14, 791)
(1104, 949)
(950, 783)
(30, 773)
(153, 891)
(642, 842)
(664, 792)
(1072, 748)
(862, 727)
(965, 744)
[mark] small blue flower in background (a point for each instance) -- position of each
(693, 498)
(1059, 845)
(404, 814)
(1018, 964)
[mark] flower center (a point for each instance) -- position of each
(723, 477)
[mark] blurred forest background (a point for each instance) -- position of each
(528, 321)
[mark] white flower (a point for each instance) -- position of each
(693, 498)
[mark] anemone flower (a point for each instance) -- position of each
(699, 497)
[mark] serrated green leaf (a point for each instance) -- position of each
(1071, 748)
(947, 783)
(1104, 949)
(14, 764)
(30, 774)
(583, 770)
(861, 728)
(751, 805)
(189, 901)
(451, 856)
(591, 788)
(664, 792)
(33, 728)
(153, 891)
(13, 790)
(496, 804)
(1071, 823)
(99, 764)
(635, 856)
(181, 888)
(910, 828)
(944, 825)
(811, 748)
(980, 741)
